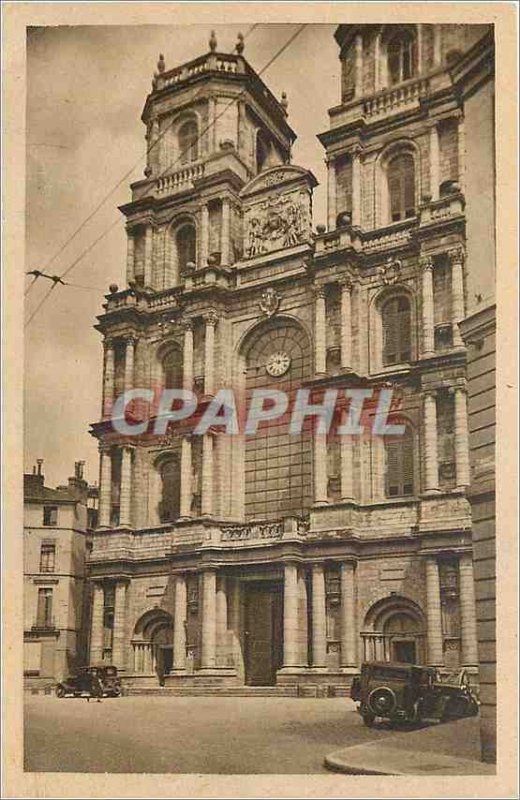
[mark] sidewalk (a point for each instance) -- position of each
(452, 748)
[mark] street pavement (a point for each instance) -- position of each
(221, 735)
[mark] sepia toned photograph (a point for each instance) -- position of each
(259, 415)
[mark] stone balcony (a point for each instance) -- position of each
(387, 519)
(388, 102)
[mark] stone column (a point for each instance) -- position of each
(290, 615)
(461, 437)
(320, 357)
(377, 62)
(187, 356)
(319, 620)
(225, 243)
(148, 255)
(96, 630)
(433, 613)
(468, 617)
(125, 500)
(204, 235)
(209, 619)
(105, 486)
(348, 617)
(358, 65)
(456, 257)
(119, 637)
(130, 255)
(234, 623)
(179, 624)
(346, 461)
(211, 319)
(356, 185)
(186, 477)
(129, 362)
(437, 50)
(428, 335)
(320, 469)
(346, 324)
(207, 474)
(331, 194)
(461, 154)
(221, 623)
(108, 377)
(434, 162)
(431, 461)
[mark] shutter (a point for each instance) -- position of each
(403, 329)
(394, 190)
(394, 61)
(409, 186)
(393, 467)
(407, 464)
(390, 333)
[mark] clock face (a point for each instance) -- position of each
(278, 363)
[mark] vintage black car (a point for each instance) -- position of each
(411, 693)
(96, 681)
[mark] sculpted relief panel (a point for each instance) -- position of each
(276, 222)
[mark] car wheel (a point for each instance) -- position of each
(382, 701)
(117, 691)
(60, 691)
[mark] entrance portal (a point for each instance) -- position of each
(263, 633)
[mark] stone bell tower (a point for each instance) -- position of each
(211, 126)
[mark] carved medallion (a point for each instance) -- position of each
(270, 302)
(391, 271)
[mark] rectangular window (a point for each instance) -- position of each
(44, 610)
(50, 515)
(47, 558)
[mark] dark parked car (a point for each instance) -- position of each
(410, 693)
(96, 681)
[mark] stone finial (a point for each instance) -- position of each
(113, 288)
(212, 42)
(284, 102)
(161, 64)
(239, 47)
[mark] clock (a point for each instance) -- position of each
(278, 363)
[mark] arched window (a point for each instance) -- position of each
(188, 141)
(396, 320)
(169, 508)
(401, 187)
(399, 465)
(186, 241)
(172, 369)
(400, 57)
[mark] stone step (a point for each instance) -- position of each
(201, 690)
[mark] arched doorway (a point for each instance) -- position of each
(278, 465)
(394, 630)
(152, 643)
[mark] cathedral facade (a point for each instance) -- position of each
(286, 559)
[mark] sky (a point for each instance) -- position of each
(86, 87)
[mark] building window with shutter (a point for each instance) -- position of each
(401, 187)
(188, 142)
(400, 51)
(399, 465)
(172, 369)
(44, 609)
(396, 321)
(50, 515)
(47, 558)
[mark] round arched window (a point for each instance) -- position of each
(186, 242)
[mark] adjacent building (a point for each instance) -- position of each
(276, 558)
(56, 542)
